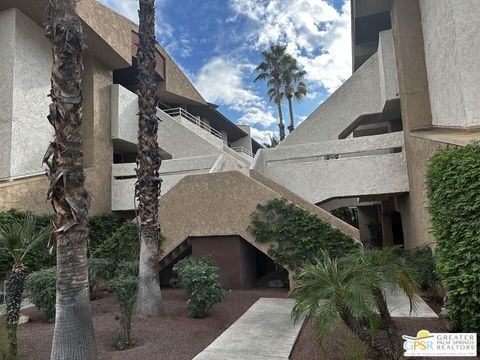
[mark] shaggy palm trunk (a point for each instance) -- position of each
(149, 300)
(387, 323)
(291, 127)
(363, 333)
(73, 337)
(14, 286)
(281, 126)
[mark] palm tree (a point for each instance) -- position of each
(271, 69)
(17, 239)
(273, 142)
(149, 301)
(350, 290)
(293, 87)
(73, 337)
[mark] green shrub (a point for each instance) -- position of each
(122, 246)
(98, 269)
(42, 288)
(127, 268)
(453, 189)
(199, 278)
(301, 236)
(421, 263)
(101, 228)
(125, 290)
(39, 256)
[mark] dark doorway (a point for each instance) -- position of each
(397, 228)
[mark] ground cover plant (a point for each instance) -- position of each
(453, 190)
(301, 236)
(199, 278)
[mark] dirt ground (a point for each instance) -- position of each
(173, 336)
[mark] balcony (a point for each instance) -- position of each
(364, 166)
(180, 133)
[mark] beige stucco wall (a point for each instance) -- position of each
(26, 68)
(452, 53)
(413, 207)
(30, 194)
(415, 107)
(231, 198)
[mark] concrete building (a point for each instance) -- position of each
(414, 89)
(194, 137)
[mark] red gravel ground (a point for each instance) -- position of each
(173, 336)
(341, 344)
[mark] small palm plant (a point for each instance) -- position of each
(349, 290)
(17, 239)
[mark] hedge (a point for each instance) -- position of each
(453, 189)
(299, 234)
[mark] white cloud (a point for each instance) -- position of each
(313, 30)
(221, 81)
(262, 136)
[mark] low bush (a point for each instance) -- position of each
(421, 263)
(453, 190)
(98, 269)
(38, 257)
(125, 290)
(42, 288)
(199, 278)
(300, 235)
(123, 245)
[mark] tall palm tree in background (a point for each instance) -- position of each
(17, 239)
(273, 142)
(73, 337)
(149, 301)
(293, 86)
(271, 70)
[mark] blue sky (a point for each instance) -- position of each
(217, 44)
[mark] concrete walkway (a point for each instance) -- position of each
(399, 307)
(265, 331)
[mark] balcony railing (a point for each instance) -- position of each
(193, 119)
(241, 149)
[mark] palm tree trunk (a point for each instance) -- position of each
(291, 127)
(149, 300)
(73, 337)
(14, 286)
(281, 127)
(379, 351)
(387, 323)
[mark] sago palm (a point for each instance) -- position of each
(350, 290)
(293, 86)
(17, 239)
(271, 69)
(149, 300)
(73, 336)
